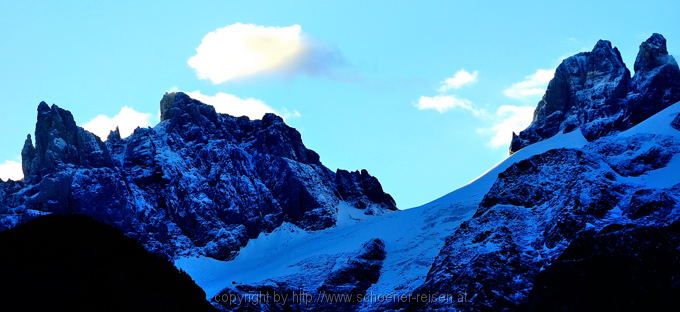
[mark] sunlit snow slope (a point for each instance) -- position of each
(412, 237)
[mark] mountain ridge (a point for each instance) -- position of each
(495, 235)
(198, 182)
(244, 207)
(595, 92)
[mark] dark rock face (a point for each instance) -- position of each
(676, 122)
(198, 183)
(531, 210)
(593, 91)
(356, 276)
(540, 208)
(637, 154)
(343, 289)
(362, 190)
(77, 264)
(623, 268)
(59, 143)
(656, 83)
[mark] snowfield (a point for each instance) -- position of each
(413, 237)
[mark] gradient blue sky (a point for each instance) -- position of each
(359, 109)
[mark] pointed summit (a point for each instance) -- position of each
(656, 84)
(182, 110)
(603, 45)
(653, 53)
(114, 135)
(166, 103)
(586, 86)
(594, 91)
(43, 107)
(607, 57)
(58, 141)
(27, 155)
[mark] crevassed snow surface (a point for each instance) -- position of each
(659, 124)
(412, 237)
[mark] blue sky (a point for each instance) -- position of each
(350, 79)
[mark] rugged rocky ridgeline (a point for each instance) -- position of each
(568, 221)
(594, 91)
(197, 183)
(590, 225)
(580, 228)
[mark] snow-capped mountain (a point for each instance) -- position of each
(588, 199)
(198, 183)
(595, 92)
(581, 192)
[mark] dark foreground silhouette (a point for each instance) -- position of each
(622, 268)
(73, 263)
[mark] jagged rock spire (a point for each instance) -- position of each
(656, 83)
(58, 141)
(27, 156)
(199, 182)
(594, 91)
(166, 103)
(652, 53)
(114, 135)
(586, 86)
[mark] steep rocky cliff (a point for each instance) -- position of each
(590, 225)
(594, 91)
(197, 183)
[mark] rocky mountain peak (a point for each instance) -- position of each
(594, 91)
(175, 104)
(199, 182)
(59, 141)
(43, 107)
(604, 50)
(114, 135)
(656, 83)
(167, 102)
(27, 155)
(604, 53)
(270, 119)
(652, 53)
(362, 189)
(184, 112)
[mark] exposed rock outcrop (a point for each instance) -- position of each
(541, 206)
(59, 143)
(593, 91)
(343, 289)
(362, 190)
(198, 183)
(621, 268)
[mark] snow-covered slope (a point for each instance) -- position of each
(594, 91)
(412, 237)
(199, 182)
(543, 210)
(659, 125)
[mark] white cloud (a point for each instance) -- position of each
(460, 79)
(11, 169)
(127, 120)
(233, 105)
(532, 86)
(508, 119)
(244, 50)
(443, 103)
